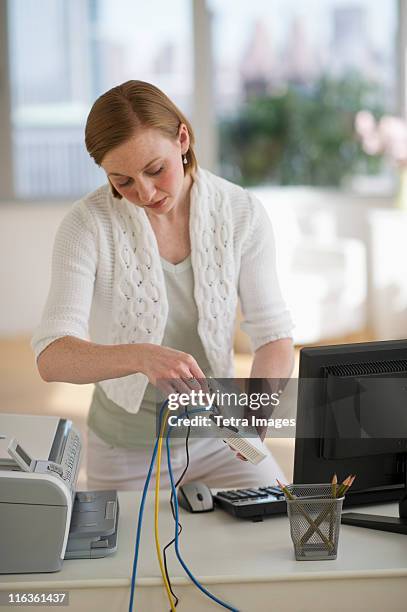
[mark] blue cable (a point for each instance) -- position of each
(141, 512)
(192, 577)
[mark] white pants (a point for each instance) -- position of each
(211, 461)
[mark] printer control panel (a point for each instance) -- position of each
(71, 456)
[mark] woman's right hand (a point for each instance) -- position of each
(170, 370)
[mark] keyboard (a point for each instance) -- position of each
(254, 504)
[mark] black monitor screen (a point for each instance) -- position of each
(352, 417)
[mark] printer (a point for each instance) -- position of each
(43, 519)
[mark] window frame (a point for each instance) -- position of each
(7, 190)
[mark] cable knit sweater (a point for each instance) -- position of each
(108, 285)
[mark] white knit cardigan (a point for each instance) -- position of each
(108, 284)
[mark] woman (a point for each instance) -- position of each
(146, 275)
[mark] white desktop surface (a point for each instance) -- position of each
(250, 565)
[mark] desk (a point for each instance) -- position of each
(250, 565)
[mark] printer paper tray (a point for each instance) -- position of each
(94, 525)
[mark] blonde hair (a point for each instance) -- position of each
(129, 106)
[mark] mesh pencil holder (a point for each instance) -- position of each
(315, 519)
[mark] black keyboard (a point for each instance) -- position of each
(252, 504)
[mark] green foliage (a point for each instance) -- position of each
(304, 136)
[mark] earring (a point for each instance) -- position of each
(184, 160)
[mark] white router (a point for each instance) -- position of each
(251, 449)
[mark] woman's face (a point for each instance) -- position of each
(148, 171)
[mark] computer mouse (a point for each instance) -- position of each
(195, 497)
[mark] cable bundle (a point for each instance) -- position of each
(157, 452)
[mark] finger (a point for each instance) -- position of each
(180, 386)
(192, 383)
(261, 430)
(171, 386)
(195, 378)
(239, 456)
(197, 373)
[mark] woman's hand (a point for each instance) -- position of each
(170, 370)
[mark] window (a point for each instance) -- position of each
(290, 77)
(63, 55)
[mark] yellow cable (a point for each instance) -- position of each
(156, 511)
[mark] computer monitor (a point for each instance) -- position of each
(352, 419)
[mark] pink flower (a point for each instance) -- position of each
(388, 135)
(393, 132)
(365, 123)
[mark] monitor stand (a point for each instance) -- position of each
(383, 523)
